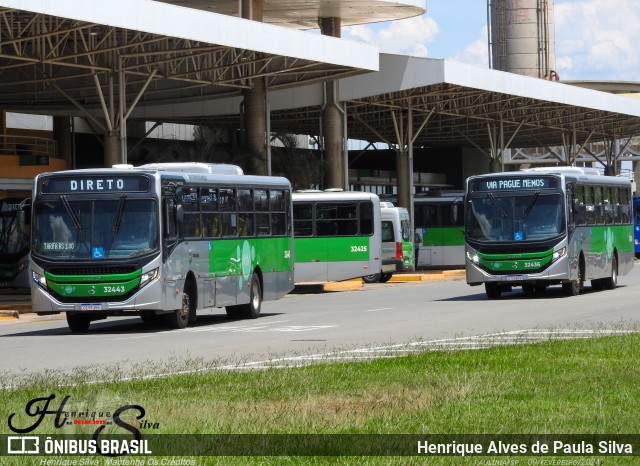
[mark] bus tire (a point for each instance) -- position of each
(385, 277)
(179, 318)
(493, 290)
(252, 310)
(78, 322)
(611, 282)
(233, 312)
(373, 278)
(574, 287)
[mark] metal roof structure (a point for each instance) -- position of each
(304, 14)
(455, 103)
(60, 56)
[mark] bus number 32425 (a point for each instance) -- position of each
(358, 249)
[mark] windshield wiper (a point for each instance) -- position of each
(118, 220)
(497, 204)
(530, 206)
(69, 210)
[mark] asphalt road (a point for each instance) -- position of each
(300, 326)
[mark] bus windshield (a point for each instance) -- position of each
(117, 228)
(511, 218)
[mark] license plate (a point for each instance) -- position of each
(91, 307)
(515, 278)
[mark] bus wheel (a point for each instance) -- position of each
(78, 322)
(373, 278)
(611, 282)
(180, 317)
(252, 310)
(574, 287)
(493, 290)
(385, 277)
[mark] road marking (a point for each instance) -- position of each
(381, 309)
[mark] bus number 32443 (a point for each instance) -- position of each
(113, 289)
(358, 249)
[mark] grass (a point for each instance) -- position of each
(582, 386)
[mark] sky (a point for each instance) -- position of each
(594, 39)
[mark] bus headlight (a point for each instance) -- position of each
(39, 279)
(148, 276)
(473, 258)
(558, 254)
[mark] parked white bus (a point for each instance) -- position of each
(336, 235)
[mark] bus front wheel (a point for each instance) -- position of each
(179, 318)
(493, 290)
(78, 322)
(574, 287)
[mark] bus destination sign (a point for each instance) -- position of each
(513, 183)
(95, 184)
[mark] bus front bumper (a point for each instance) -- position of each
(557, 272)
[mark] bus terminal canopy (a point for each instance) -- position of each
(63, 55)
(452, 104)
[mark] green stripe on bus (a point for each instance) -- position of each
(241, 256)
(332, 249)
(94, 290)
(443, 236)
(515, 262)
(117, 277)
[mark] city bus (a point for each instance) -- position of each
(336, 235)
(439, 229)
(162, 241)
(551, 226)
(14, 243)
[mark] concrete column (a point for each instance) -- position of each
(402, 175)
(255, 108)
(332, 120)
(63, 136)
(112, 153)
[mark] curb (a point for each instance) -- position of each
(9, 315)
(346, 285)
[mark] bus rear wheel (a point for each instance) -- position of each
(373, 278)
(385, 277)
(251, 310)
(78, 322)
(611, 282)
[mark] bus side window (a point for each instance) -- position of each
(366, 218)
(278, 212)
(615, 201)
(302, 220)
(228, 211)
(245, 213)
(625, 207)
(210, 214)
(599, 206)
(387, 232)
(589, 207)
(192, 227)
(170, 231)
(608, 206)
(579, 209)
(261, 203)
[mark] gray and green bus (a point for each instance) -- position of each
(336, 235)
(551, 226)
(161, 241)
